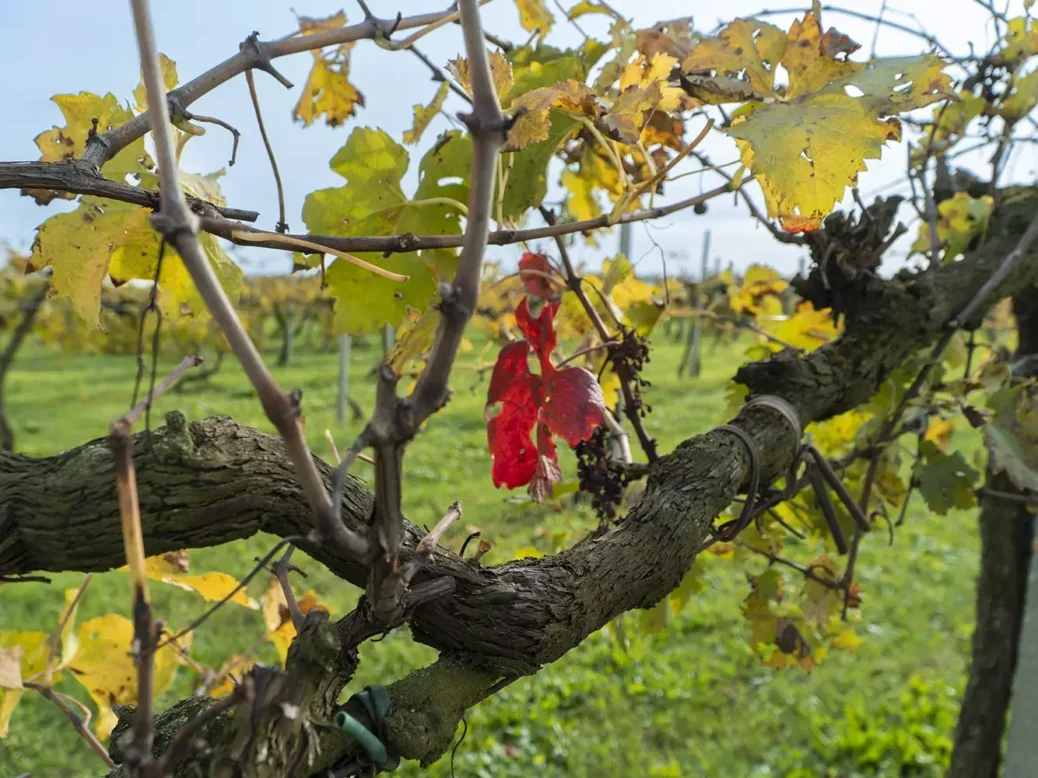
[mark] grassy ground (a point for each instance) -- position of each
(692, 700)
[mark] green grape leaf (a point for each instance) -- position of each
(945, 480)
(373, 203)
(424, 114)
(1011, 436)
(527, 170)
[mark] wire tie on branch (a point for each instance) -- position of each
(363, 716)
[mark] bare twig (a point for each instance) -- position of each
(167, 383)
(179, 227)
(428, 544)
(220, 123)
(282, 225)
(184, 743)
(255, 54)
(79, 723)
(390, 244)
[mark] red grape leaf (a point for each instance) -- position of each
(567, 403)
(536, 272)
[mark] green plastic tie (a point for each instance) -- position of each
(376, 748)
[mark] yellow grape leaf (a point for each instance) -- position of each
(413, 338)
(230, 675)
(758, 284)
(846, 639)
(738, 64)
(645, 71)
(276, 615)
(807, 142)
(69, 142)
(169, 79)
(328, 91)
(960, 219)
(805, 156)
(105, 668)
(213, 586)
(581, 203)
(1021, 40)
(104, 237)
(527, 552)
(1022, 99)
(69, 640)
(32, 650)
(628, 115)
(424, 114)
(532, 125)
(500, 72)
(585, 7)
(939, 431)
(807, 329)
(534, 15)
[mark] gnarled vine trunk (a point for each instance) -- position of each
(1006, 536)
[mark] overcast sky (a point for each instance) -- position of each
(60, 46)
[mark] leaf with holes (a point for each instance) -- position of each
(567, 403)
(807, 142)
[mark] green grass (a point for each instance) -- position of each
(692, 700)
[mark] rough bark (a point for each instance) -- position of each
(214, 481)
(1006, 536)
(81, 177)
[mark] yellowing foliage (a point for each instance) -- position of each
(328, 91)
(959, 220)
(105, 668)
(807, 141)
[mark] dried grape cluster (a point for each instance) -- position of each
(629, 357)
(601, 476)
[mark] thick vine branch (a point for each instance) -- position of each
(79, 177)
(510, 619)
